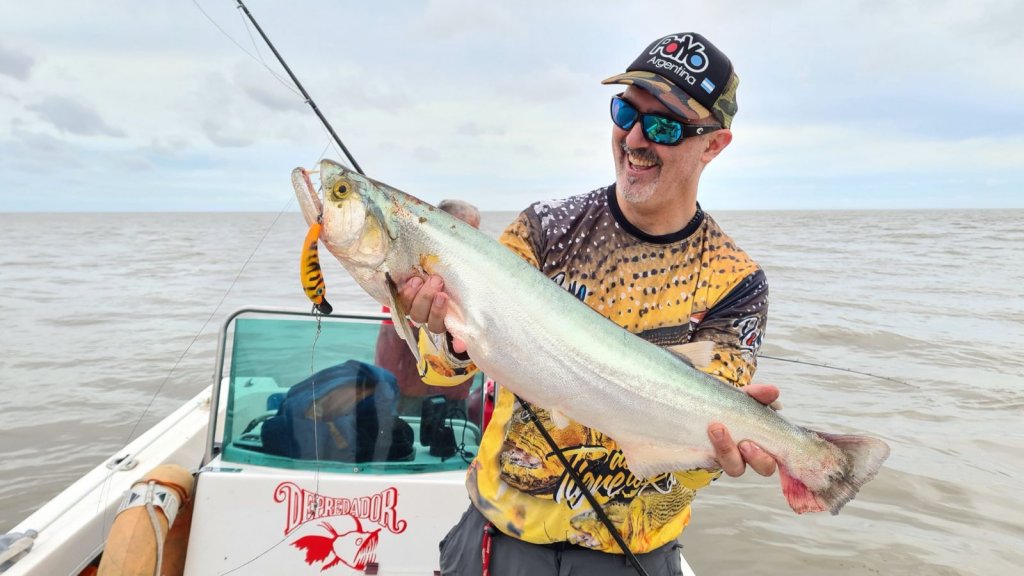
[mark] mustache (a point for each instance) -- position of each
(644, 154)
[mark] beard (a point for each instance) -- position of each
(634, 189)
(636, 193)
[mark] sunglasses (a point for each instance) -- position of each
(656, 127)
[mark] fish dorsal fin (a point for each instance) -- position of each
(402, 326)
(697, 354)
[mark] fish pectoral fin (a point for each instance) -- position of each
(559, 419)
(697, 354)
(648, 461)
(398, 318)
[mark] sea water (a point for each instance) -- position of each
(109, 322)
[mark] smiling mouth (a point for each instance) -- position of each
(640, 159)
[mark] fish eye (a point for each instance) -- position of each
(341, 190)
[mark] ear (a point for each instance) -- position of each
(716, 142)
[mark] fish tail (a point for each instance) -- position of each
(860, 458)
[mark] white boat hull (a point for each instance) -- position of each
(73, 525)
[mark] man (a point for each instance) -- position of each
(644, 254)
(392, 353)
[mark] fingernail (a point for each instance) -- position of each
(749, 448)
(435, 282)
(717, 433)
(416, 282)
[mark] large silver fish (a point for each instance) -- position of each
(554, 351)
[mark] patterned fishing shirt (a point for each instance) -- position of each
(694, 284)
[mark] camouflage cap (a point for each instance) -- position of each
(687, 74)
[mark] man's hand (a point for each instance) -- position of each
(734, 459)
(427, 305)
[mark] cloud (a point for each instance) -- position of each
(843, 150)
(503, 105)
(222, 132)
(271, 89)
(15, 64)
(72, 117)
(473, 129)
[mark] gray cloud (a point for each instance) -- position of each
(277, 95)
(274, 99)
(15, 64)
(73, 117)
(223, 135)
(426, 154)
(474, 129)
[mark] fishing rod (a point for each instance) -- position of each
(355, 165)
(573, 473)
(309, 99)
(533, 416)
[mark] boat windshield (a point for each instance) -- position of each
(308, 394)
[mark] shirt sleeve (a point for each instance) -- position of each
(736, 325)
(519, 237)
(440, 365)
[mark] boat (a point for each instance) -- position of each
(283, 484)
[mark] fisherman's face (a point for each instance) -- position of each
(646, 171)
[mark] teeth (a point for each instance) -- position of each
(641, 161)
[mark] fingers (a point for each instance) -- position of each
(763, 393)
(734, 459)
(438, 309)
(726, 451)
(426, 302)
(758, 459)
(458, 346)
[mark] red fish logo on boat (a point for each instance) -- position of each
(355, 548)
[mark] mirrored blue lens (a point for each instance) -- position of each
(623, 114)
(662, 130)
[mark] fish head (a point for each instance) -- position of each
(353, 224)
(353, 227)
(357, 548)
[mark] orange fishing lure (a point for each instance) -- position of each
(309, 271)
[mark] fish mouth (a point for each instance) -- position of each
(309, 200)
(367, 553)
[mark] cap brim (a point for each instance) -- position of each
(673, 97)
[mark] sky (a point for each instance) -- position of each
(179, 106)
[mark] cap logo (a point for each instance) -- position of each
(684, 50)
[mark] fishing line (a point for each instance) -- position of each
(840, 368)
(259, 59)
(246, 52)
(590, 497)
(181, 358)
(316, 442)
(223, 297)
(309, 99)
